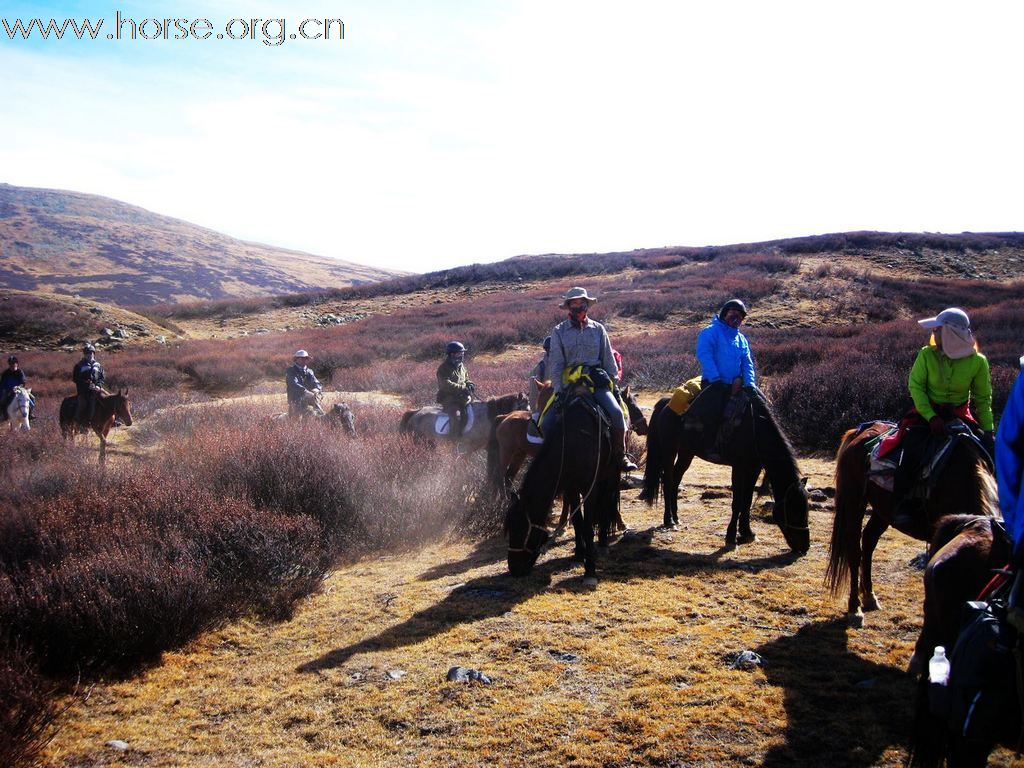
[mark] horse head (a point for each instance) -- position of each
(526, 538)
(791, 514)
(545, 389)
(123, 408)
(637, 420)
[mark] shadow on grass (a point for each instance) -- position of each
(840, 708)
(491, 596)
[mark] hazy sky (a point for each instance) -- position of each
(443, 133)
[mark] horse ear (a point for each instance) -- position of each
(625, 392)
(803, 482)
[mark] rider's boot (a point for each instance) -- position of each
(619, 450)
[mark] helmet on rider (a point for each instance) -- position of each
(87, 348)
(736, 304)
(454, 347)
(11, 359)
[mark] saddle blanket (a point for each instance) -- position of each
(443, 427)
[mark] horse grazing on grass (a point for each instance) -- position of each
(424, 423)
(967, 560)
(17, 411)
(964, 486)
(758, 441)
(109, 408)
(575, 461)
(509, 446)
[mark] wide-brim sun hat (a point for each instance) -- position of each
(577, 293)
(301, 353)
(953, 316)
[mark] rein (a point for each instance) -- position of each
(789, 488)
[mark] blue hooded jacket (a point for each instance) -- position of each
(1010, 463)
(724, 354)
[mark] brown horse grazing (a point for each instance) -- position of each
(108, 409)
(968, 556)
(509, 446)
(758, 441)
(575, 461)
(964, 486)
(422, 422)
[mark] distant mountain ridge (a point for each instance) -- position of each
(54, 241)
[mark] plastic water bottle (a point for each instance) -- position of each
(938, 667)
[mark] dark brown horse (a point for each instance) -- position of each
(967, 560)
(757, 442)
(422, 422)
(108, 409)
(964, 486)
(576, 461)
(509, 445)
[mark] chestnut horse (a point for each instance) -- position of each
(964, 486)
(108, 409)
(967, 560)
(509, 446)
(758, 441)
(576, 461)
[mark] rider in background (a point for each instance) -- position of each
(302, 384)
(1010, 464)
(726, 365)
(577, 341)
(89, 380)
(12, 377)
(454, 389)
(948, 373)
(539, 373)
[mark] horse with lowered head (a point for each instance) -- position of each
(18, 409)
(964, 486)
(431, 423)
(109, 408)
(575, 460)
(757, 441)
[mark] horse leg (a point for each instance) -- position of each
(586, 517)
(748, 482)
(872, 533)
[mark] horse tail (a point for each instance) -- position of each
(403, 425)
(850, 479)
(653, 468)
(67, 415)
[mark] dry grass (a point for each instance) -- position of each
(651, 684)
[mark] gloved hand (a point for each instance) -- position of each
(937, 425)
(737, 384)
(988, 442)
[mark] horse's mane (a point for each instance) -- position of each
(785, 453)
(503, 404)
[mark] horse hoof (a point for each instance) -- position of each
(871, 603)
(747, 538)
(730, 544)
(855, 620)
(590, 582)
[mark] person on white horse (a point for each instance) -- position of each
(454, 389)
(304, 389)
(13, 376)
(89, 380)
(580, 341)
(16, 401)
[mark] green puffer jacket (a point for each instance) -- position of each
(453, 384)
(938, 379)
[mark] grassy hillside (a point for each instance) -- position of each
(54, 241)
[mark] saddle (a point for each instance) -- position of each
(713, 418)
(442, 423)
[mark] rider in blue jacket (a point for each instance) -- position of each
(1010, 464)
(726, 366)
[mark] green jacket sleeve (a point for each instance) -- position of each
(918, 385)
(981, 393)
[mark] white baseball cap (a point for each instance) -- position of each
(952, 316)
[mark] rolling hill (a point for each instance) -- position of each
(53, 241)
